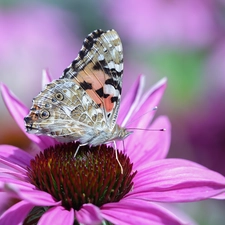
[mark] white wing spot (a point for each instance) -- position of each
(119, 48)
(101, 57)
(117, 67)
(109, 89)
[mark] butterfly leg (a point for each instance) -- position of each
(80, 145)
(121, 168)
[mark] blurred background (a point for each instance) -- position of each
(181, 40)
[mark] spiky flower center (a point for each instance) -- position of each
(93, 176)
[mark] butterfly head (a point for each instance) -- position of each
(35, 118)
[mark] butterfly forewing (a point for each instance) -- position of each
(98, 69)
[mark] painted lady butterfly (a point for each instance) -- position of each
(82, 105)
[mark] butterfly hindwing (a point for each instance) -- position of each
(64, 111)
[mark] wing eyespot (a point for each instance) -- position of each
(47, 105)
(59, 96)
(54, 100)
(44, 114)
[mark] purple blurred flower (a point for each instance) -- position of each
(215, 68)
(32, 37)
(204, 128)
(206, 136)
(152, 23)
(155, 179)
(27, 46)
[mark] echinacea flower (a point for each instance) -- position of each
(55, 188)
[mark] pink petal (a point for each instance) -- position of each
(57, 215)
(89, 215)
(15, 156)
(15, 107)
(146, 146)
(37, 197)
(46, 78)
(15, 161)
(12, 185)
(179, 212)
(136, 211)
(144, 111)
(176, 180)
(5, 202)
(130, 101)
(220, 196)
(16, 214)
(20, 174)
(18, 112)
(26, 191)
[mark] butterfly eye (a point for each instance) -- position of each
(44, 114)
(59, 96)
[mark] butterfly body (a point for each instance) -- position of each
(83, 104)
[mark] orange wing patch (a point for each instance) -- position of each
(96, 78)
(109, 105)
(92, 81)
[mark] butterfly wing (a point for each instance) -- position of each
(86, 98)
(98, 69)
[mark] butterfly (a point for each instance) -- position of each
(82, 105)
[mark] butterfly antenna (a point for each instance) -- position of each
(121, 168)
(160, 129)
(131, 128)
